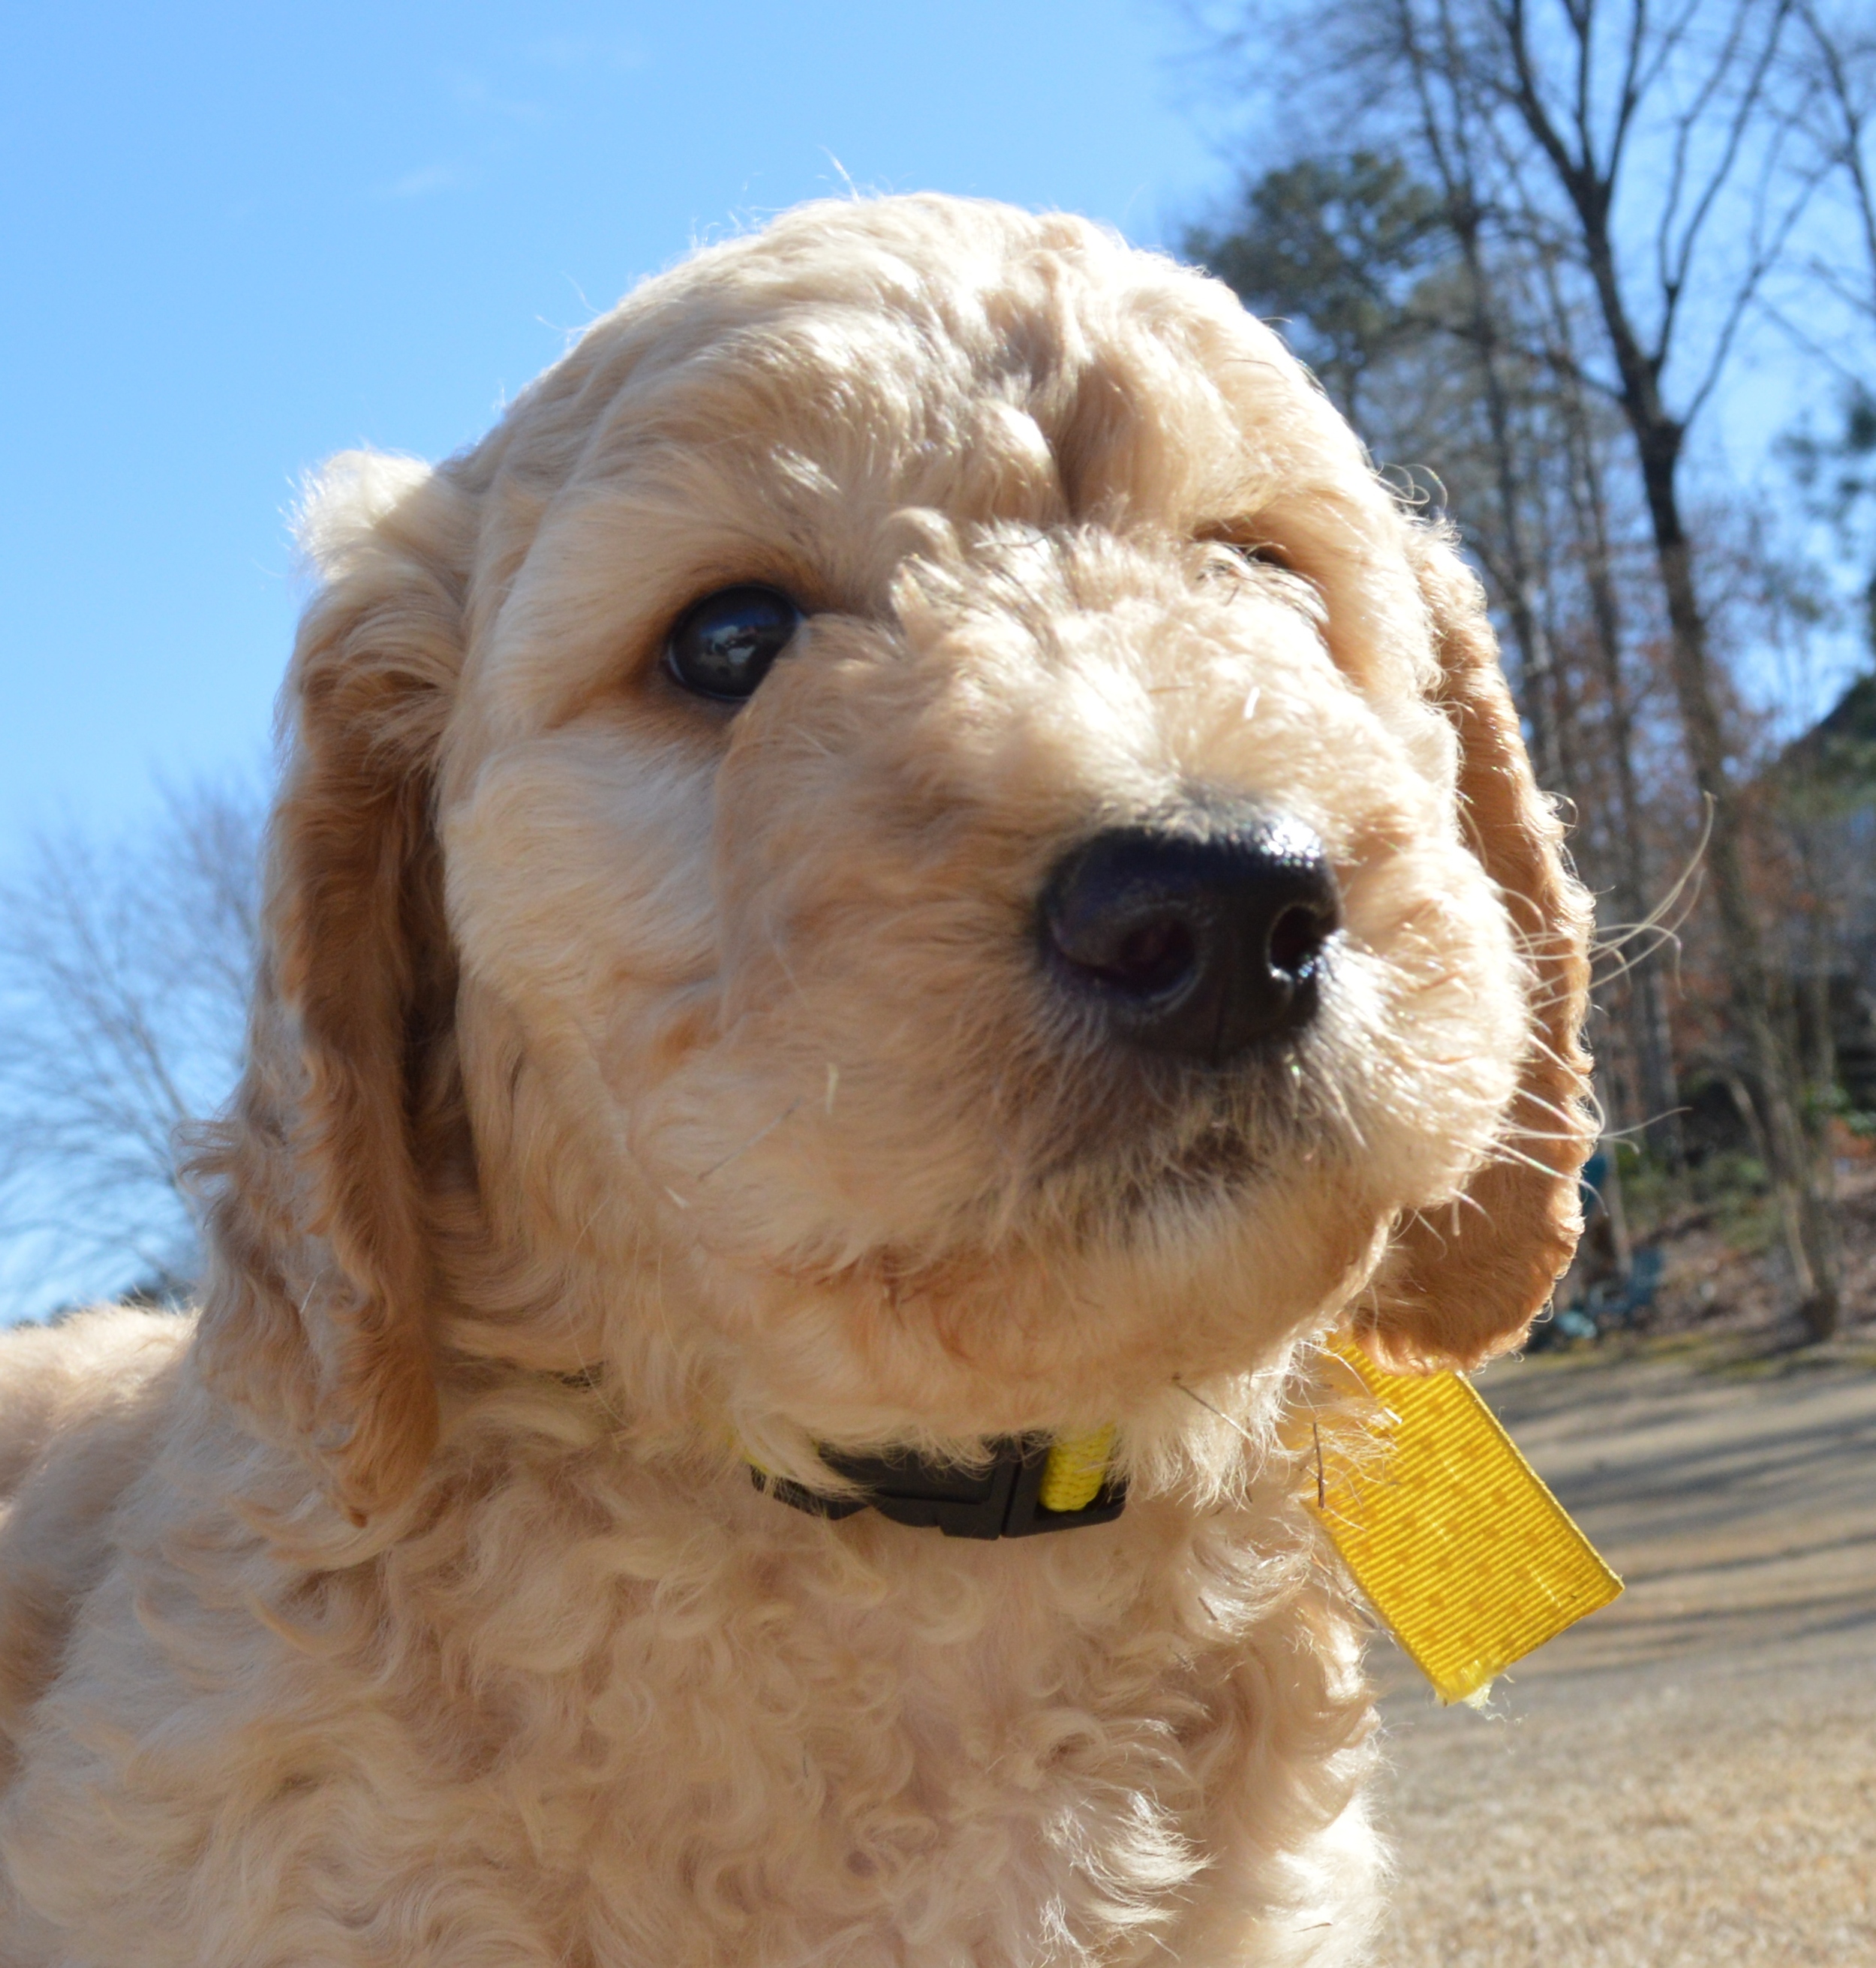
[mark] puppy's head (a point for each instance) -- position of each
(912, 845)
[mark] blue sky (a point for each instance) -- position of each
(240, 238)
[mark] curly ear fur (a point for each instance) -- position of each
(1457, 1289)
(317, 1319)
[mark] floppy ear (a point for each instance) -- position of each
(1465, 1284)
(318, 1317)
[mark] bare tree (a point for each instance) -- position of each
(1706, 73)
(1582, 437)
(124, 981)
(1839, 62)
(1401, 285)
(1511, 294)
(1657, 154)
(1839, 59)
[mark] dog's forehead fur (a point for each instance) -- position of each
(765, 410)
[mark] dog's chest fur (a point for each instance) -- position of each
(588, 1710)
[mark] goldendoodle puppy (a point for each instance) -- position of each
(885, 903)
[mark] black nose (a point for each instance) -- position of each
(1195, 942)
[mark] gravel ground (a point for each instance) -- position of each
(1688, 1779)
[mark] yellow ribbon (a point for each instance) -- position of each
(1451, 1534)
(1448, 1531)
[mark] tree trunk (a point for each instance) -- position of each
(1808, 1218)
(1807, 1215)
(1658, 1086)
(1536, 659)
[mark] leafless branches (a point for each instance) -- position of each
(1620, 180)
(123, 978)
(1838, 59)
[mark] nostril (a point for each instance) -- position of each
(1197, 941)
(1143, 957)
(1155, 957)
(1297, 937)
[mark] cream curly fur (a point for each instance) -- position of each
(631, 1080)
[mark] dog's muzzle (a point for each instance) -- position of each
(1198, 939)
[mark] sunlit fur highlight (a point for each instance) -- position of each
(633, 1086)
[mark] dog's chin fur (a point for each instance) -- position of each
(638, 1085)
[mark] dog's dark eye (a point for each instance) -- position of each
(1261, 553)
(723, 646)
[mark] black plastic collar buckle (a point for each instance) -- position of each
(1003, 1499)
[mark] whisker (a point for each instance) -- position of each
(1260, 1450)
(1502, 1150)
